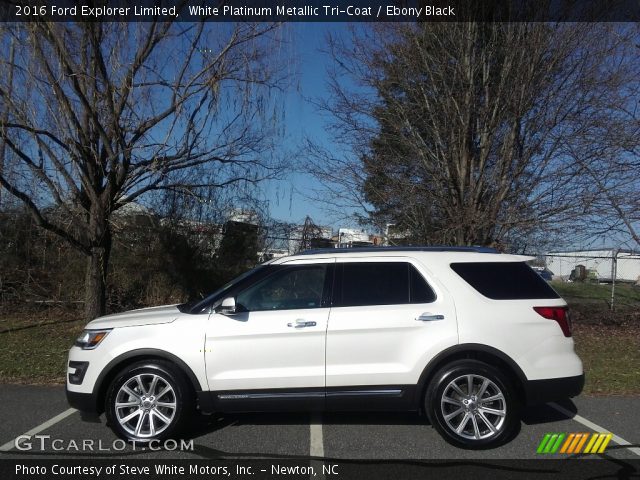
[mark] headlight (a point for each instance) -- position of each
(90, 339)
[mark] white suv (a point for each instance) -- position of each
(466, 335)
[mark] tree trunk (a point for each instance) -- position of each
(96, 277)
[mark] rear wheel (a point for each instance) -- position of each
(472, 405)
(148, 401)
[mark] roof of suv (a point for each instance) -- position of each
(438, 248)
(440, 254)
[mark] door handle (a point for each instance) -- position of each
(300, 323)
(429, 317)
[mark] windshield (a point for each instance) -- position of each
(197, 305)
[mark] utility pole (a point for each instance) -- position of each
(310, 231)
(614, 274)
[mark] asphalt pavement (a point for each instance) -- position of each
(55, 431)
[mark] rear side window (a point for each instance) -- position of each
(504, 280)
(381, 283)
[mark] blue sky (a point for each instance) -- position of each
(302, 119)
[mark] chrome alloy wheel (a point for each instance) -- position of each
(145, 405)
(473, 407)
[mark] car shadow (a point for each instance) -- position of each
(205, 424)
(545, 413)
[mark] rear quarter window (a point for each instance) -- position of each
(504, 280)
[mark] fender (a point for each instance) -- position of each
(109, 371)
(460, 351)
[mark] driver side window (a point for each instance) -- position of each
(293, 287)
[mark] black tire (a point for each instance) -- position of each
(149, 405)
(483, 426)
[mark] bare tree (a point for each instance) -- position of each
(613, 211)
(612, 163)
(100, 114)
(5, 112)
(463, 133)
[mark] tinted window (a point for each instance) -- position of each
(383, 283)
(504, 281)
(420, 291)
(289, 288)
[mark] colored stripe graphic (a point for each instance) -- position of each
(567, 442)
(590, 443)
(578, 438)
(550, 443)
(577, 442)
(543, 443)
(556, 446)
(574, 442)
(600, 443)
(606, 442)
(581, 443)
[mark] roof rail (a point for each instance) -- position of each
(437, 248)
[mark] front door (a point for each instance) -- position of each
(272, 350)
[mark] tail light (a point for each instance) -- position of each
(559, 314)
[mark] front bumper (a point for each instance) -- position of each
(76, 372)
(552, 389)
(85, 402)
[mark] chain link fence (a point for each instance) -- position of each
(615, 269)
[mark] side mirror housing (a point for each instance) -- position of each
(228, 306)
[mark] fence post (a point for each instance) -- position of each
(614, 274)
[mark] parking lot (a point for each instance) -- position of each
(42, 411)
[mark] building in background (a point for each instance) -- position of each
(610, 263)
(353, 237)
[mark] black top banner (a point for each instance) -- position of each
(321, 10)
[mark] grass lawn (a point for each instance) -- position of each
(608, 342)
(625, 294)
(37, 354)
(611, 357)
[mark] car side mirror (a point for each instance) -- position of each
(228, 306)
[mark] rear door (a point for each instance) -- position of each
(389, 318)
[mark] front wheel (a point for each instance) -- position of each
(472, 405)
(147, 401)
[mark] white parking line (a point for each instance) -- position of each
(316, 444)
(594, 427)
(43, 426)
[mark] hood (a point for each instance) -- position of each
(133, 318)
